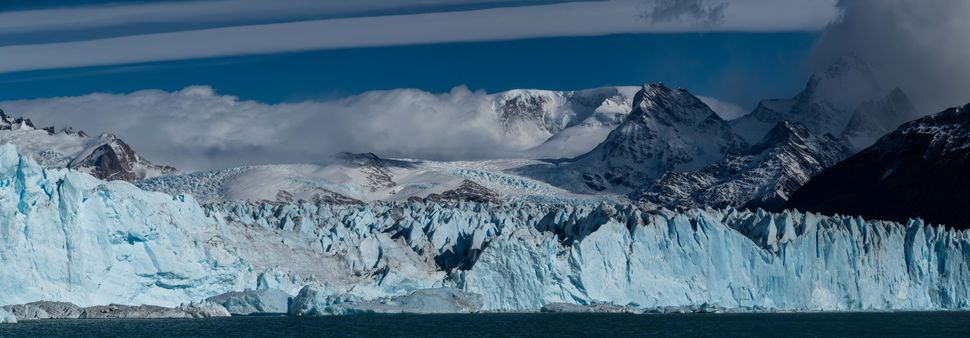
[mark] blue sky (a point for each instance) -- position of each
(737, 67)
(294, 50)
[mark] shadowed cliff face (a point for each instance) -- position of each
(115, 160)
(920, 170)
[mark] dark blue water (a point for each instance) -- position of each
(922, 324)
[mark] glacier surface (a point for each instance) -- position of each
(66, 236)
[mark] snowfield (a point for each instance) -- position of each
(66, 236)
(369, 180)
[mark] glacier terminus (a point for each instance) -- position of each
(70, 237)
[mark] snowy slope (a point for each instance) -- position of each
(539, 114)
(763, 176)
(351, 178)
(67, 236)
(105, 156)
(668, 130)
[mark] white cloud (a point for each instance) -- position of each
(726, 110)
(196, 128)
(563, 19)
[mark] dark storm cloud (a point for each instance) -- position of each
(920, 46)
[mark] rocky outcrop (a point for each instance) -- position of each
(467, 191)
(115, 311)
(44, 310)
(375, 169)
(115, 160)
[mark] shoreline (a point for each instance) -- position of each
(152, 312)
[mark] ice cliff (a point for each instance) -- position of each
(66, 236)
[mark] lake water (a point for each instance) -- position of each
(900, 324)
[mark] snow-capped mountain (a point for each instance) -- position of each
(355, 178)
(826, 105)
(763, 176)
(919, 170)
(67, 236)
(106, 156)
(668, 130)
(874, 119)
(562, 124)
(577, 120)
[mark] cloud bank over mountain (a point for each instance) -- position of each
(919, 46)
(197, 128)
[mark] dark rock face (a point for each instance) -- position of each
(110, 161)
(763, 176)
(522, 108)
(114, 160)
(320, 195)
(920, 170)
(376, 169)
(467, 191)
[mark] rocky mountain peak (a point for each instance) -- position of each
(669, 106)
(106, 156)
(785, 132)
(846, 64)
(668, 129)
(826, 104)
(10, 123)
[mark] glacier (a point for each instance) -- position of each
(67, 236)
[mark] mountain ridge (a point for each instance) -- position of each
(105, 156)
(919, 170)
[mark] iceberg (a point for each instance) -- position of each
(66, 236)
(262, 301)
(425, 301)
(7, 317)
